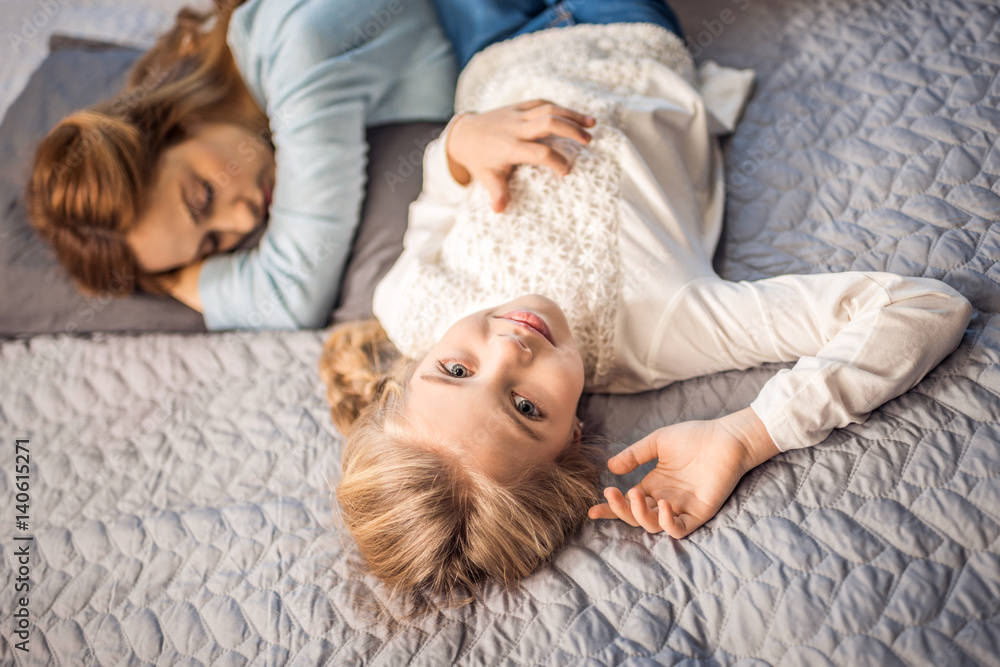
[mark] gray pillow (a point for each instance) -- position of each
(395, 176)
(39, 297)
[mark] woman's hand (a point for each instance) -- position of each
(487, 146)
(698, 465)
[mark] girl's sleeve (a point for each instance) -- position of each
(430, 219)
(859, 338)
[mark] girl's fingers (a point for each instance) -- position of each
(676, 525)
(531, 104)
(496, 185)
(634, 455)
(640, 510)
(602, 511)
(669, 522)
(557, 125)
(544, 156)
(617, 503)
(539, 108)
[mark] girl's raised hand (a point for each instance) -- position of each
(487, 146)
(698, 465)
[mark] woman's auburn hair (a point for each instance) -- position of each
(429, 526)
(93, 169)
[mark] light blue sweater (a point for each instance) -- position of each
(323, 70)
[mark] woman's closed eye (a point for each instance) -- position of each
(201, 199)
(199, 206)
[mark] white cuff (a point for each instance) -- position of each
(436, 167)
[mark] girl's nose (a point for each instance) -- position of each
(513, 349)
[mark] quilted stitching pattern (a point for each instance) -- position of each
(873, 147)
(180, 484)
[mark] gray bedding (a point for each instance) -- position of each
(180, 484)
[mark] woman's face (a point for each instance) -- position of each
(208, 193)
(501, 386)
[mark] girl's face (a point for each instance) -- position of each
(207, 194)
(501, 386)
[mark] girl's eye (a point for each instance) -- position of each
(526, 407)
(455, 369)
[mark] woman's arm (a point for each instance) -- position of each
(291, 279)
(861, 339)
(321, 80)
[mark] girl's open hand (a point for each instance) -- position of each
(698, 465)
(487, 146)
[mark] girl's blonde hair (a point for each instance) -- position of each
(430, 526)
(93, 169)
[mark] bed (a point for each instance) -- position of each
(180, 482)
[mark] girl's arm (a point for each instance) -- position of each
(860, 339)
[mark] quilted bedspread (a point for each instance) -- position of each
(180, 502)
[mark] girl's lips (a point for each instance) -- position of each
(532, 321)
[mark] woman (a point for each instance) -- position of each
(259, 118)
(464, 459)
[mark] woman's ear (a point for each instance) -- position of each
(577, 433)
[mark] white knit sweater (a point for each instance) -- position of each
(624, 244)
(558, 237)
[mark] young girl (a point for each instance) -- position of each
(260, 116)
(464, 458)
